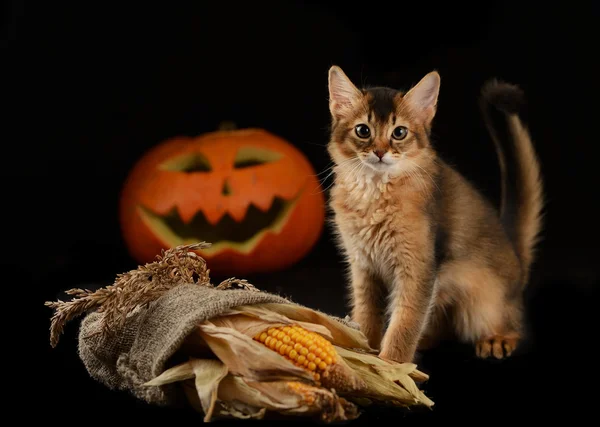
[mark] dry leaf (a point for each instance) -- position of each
(239, 410)
(343, 335)
(309, 400)
(268, 319)
(370, 359)
(222, 409)
(177, 373)
(261, 379)
(339, 374)
(239, 398)
(217, 394)
(386, 382)
(209, 374)
(235, 388)
(246, 357)
(380, 390)
(399, 374)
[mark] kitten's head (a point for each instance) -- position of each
(385, 130)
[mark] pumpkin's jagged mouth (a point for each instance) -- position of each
(227, 233)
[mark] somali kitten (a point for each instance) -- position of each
(425, 249)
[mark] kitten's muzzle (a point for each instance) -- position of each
(378, 158)
(380, 154)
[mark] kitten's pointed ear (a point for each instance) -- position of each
(343, 95)
(424, 96)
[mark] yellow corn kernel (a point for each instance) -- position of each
(301, 347)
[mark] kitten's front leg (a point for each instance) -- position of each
(410, 304)
(366, 304)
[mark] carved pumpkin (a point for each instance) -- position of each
(249, 193)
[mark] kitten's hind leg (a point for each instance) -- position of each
(504, 342)
(367, 310)
(482, 314)
(498, 346)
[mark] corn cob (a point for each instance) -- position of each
(303, 348)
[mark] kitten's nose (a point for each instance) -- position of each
(379, 153)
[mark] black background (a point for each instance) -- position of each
(90, 89)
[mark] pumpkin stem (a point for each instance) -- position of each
(227, 125)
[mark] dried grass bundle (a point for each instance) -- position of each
(136, 288)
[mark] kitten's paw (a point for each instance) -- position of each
(498, 346)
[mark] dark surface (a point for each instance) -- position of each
(89, 90)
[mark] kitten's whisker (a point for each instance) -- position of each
(424, 187)
(355, 170)
(336, 168)
(328, 168)
(345, 172)
(427, 173)
(331, 172)
(420, 182)
(351, 168)
(328, 187)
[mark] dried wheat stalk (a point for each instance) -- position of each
(133, 289)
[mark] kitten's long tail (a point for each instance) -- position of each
(522, 186)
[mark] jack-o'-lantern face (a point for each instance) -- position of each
(250, 194)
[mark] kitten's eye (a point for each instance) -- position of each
(362, 131)
(399, 133)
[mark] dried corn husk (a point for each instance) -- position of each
(341, 334)
(241, 398)
(248, 380)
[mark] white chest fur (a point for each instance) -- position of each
(367, 218)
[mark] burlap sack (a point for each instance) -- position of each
(140, 349)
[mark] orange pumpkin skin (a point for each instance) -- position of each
(290, 177)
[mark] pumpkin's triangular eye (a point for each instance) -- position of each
(191, 162)
(252, 156)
